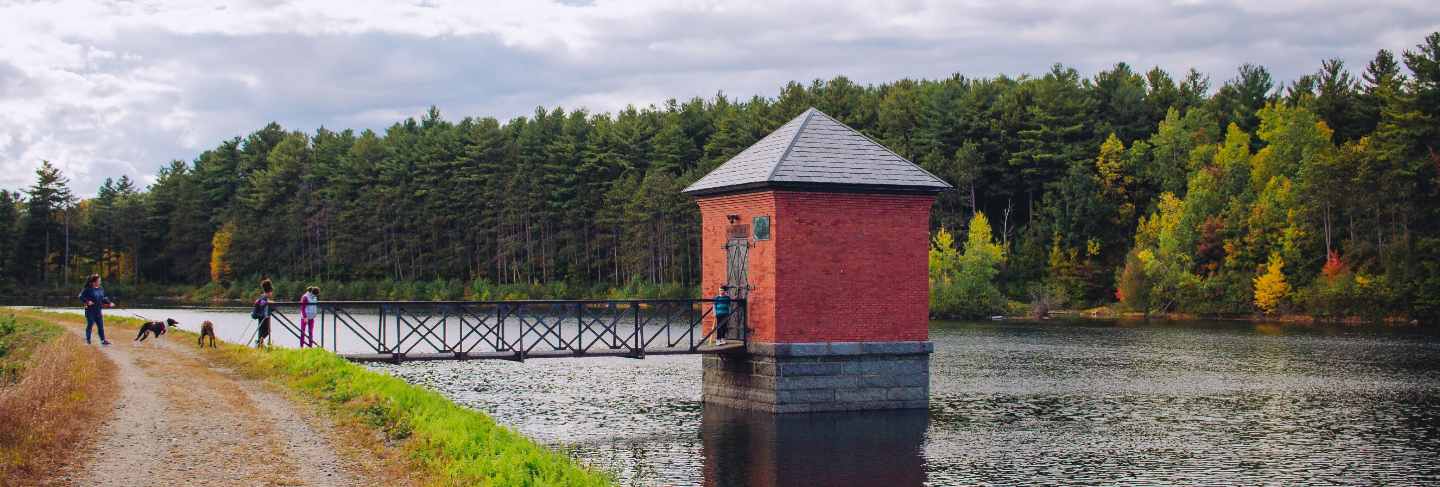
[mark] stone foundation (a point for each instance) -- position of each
(809, 377)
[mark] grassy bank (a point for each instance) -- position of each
(53, 389)
(442, 442)
(449, 444)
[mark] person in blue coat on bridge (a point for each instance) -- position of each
(722, 315)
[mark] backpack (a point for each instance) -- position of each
(259, 311)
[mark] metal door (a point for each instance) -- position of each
(737, 267)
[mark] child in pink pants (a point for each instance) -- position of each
(308, 310)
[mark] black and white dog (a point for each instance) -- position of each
(155, 327)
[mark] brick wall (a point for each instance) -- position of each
(713, 212)
(852, 267)
(840, 267)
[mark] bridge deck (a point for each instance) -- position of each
(732, 347)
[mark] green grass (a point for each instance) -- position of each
(450, 444)
(18, 339)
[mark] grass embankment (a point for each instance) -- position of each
(447, 443)
(442, 443)
(53, 388)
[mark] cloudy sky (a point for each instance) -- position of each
(118, 87)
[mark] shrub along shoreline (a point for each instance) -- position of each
(50, 382)
(443, 443)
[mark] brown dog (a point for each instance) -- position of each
(207, 329)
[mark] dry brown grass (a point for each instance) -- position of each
(46, 416)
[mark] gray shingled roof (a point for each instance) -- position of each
(814, 151)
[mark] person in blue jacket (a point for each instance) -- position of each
(95, 299)
(722, 315)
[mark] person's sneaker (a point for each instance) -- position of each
(104, 342)
(87, 341)
(720, 342)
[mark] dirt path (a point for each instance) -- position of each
(180, 421)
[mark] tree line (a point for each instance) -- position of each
(1160, 191)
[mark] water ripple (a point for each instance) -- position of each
(1194, 403)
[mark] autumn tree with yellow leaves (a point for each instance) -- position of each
(1270, 287)
(220, 269)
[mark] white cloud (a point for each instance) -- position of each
(105, 88)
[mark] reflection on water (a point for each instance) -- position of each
(745, 448)
(1012, 403)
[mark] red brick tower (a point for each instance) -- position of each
(824, 232)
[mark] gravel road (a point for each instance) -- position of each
(181, 421)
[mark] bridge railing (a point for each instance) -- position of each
(514, 330)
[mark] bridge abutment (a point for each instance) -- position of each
(834, 271)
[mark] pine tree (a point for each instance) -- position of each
(1336, 100)
(1120, 105)
(1381, 80)
(179, 226)
(898, 116)
(1237, 101)
(9, 232)
(1053, 136)
(1193, 90)
(42, 243)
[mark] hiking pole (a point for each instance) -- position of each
(247, 330)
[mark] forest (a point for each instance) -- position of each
(1156, 191)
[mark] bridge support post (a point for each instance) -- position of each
(835, 278)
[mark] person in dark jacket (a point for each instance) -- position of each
(263, 303)
(95, 299)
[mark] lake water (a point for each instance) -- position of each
(1011, 402)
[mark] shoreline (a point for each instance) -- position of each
(1287, 318)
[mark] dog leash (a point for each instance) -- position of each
(137, 315)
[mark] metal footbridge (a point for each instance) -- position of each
(398, 331)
